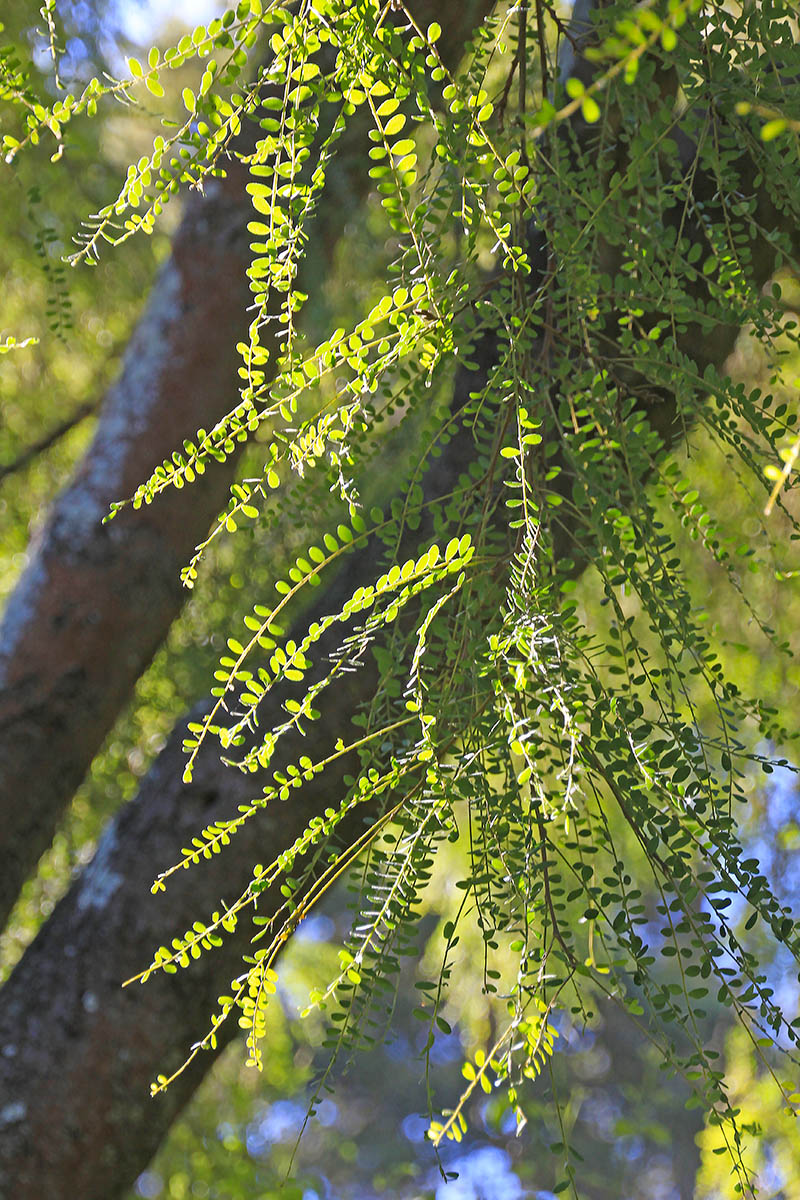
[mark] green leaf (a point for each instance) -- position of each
(772, 129)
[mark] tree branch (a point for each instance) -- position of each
(109, 1043)
(90, 1128)
(42, 444)
(96, 601)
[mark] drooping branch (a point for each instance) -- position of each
(76, 1117)
(97, 600)
(108, 1043)
(90, 1128)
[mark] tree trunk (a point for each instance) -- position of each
(78, 1050)
(97, 600)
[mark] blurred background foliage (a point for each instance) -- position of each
(239, 1137)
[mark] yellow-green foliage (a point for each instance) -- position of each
(597, 760)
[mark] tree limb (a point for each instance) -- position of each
(109, 1043)
(90, 1128)
(96, 601)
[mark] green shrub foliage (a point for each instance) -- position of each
(581, 215)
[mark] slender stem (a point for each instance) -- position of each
(36, 448)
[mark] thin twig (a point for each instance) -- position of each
(49, 439)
